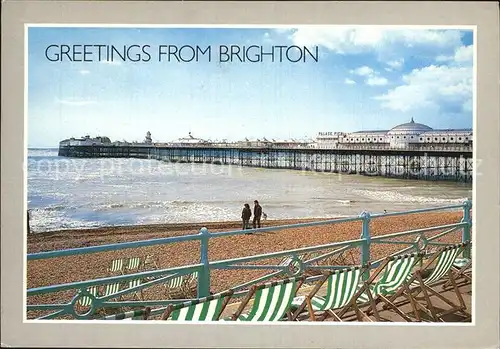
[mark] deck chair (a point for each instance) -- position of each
(133, 263)
(395, 271)
(140, 314)
(86, 301)
(112, 289)
(462, 268)
(203, 309)
(149, 260)
(271, 301)
(341, 287)
(177, 285)
(436, 268)
(342, 258)
(109, 289)
(135, 283)
(116, 266)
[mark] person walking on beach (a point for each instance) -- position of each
(245, 216)
(257, 213)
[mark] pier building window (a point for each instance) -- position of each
(421, 139)
(435, 138)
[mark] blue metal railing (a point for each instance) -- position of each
(296, 265)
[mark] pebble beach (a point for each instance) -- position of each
(90, 266)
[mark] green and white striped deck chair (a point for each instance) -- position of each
(203, 309)
(109, 289)
(341, 287)
(176, 285)
(133, 263)
(86, 301)
(395, 271)
(193, 276)
(140, 314)
(436, 269)
(116, 266)
(112, 289)
(271, 301)
(134, 283)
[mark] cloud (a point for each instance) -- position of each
(376, 81)
(388, 43)
(372, 78)
(463, 55)
(76, 102)
(447, 89)
(84, 72)
(363, 71)
(396, 64)
(349, 82)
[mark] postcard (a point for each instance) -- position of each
(294, 176)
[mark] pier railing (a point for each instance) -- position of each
(308, 260)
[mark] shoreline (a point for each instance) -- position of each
(127, 233)
(172, 226)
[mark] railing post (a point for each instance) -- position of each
(466, 231)
(365, 247)
(204, 275)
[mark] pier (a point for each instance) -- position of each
(452, 163)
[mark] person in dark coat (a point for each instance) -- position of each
(245, 216)
(257, 213)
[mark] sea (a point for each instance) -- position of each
(71, 193)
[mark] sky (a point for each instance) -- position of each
(366, 78)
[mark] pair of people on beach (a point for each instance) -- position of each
(247, 213)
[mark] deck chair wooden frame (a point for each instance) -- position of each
(208, 308)
(273, 309)
(341, 287)
(396, 269)
(341, 258)
(443, 259)
(462, 268)
(149, 259)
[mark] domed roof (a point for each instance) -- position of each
(411, 126)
